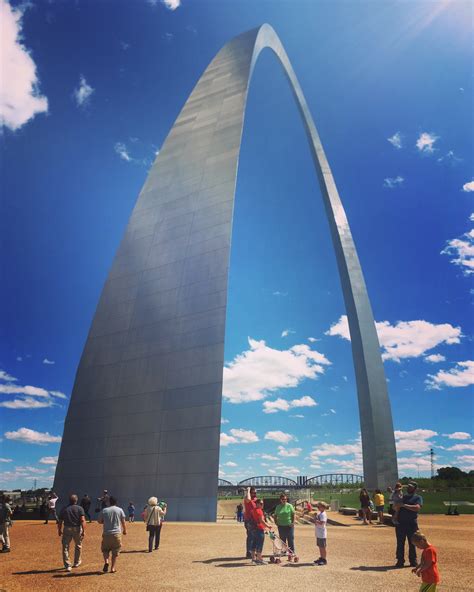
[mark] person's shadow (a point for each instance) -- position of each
(37, 571)
(374, 568)
(216, 559)
(79, 574)
(135, 551)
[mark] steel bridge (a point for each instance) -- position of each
(334, 479)
(277, 481)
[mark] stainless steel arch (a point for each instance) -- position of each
(144, 416)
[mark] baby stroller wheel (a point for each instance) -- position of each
(296, 559)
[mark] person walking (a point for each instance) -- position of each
(239, 512)
(85, 505)
(364, 499)
(74, 520)
(407, 524)
(249, 522)
(113, 520)
(52, 500)
(104, 500)
(258, 537)
(284, 516)
(5, 522)
(131, 512)
(153, 518)
(427, 569)
(379, 501)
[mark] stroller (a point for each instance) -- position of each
(280, 549)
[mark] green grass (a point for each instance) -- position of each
(432, 500)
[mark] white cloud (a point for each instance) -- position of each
(172, 4)
(230, 464)
(122, 151)
(58, 394)
(426, 141)
(256, 373)
(405, 339)
(286, 332)
(450, 158)
(49, 460)
(289, 452)
(462, 251)
(32, 391)
(469, 186)
(435, 358)
(32, 437)
(19, 359)
(279, 436)
(396, 140)
(461, 376)
(282, 405)
(392, 182)
(312, 339)
(50, 362)
(414, 440)
(278, 293)
(413, 463)
(297, 416)
(238, 436)
(327, 449)
(6, 460)
(82, 94)
(459, 447)
(27, 403)
(20, 99)
(223, 421)
(466, 462)
(458, 436)
(7, 377)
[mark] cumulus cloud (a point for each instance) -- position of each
(405, 339)
(279, 436)
(6, 460)
(461, 250)
(466, 462)
(458, 436)
(172, 4)
(392, 182)
(312, 339)
(238, 436)
(460, 376)
(396, 140)
(287, 332)
(414, 440)
(49, 460)
(48, 362)
(282, 405)
(20, 99)
(288, 452)
(5, 376)
(425, 142)
(230, 464)
(83, 92)
(32, 437)
(469, 186)
(27, 403)
(256, 373)
(33, 391)
(435, 358)
(459, 447)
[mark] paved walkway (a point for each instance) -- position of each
(209, 557)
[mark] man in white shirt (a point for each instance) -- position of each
(114, 524)
(52, 499)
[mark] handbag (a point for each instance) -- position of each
(148, 526)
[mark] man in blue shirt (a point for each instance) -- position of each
(407, 524)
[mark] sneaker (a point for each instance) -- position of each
(77, 564)
(260, 562)
(316, 561)
(415, 564)
(68, 568)
(321, 562)
(400, 564)
(6, 550)
(105, 569)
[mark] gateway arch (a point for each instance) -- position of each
(144, 416)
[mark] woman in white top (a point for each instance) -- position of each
(153, 517)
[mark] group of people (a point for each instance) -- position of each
(404, 508)
(284, 518)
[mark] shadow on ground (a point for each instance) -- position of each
(374, 568)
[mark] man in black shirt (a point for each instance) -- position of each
(407, 524)
(85, 505)
(74, 521)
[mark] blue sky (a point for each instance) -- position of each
(92, 90)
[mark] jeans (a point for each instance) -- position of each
(154, 533)
(404, 531)
(72, 533)
(249, 527)
(53, 512)
(287, 535)
(258, 540)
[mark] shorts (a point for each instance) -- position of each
(379, 508)
(321, 542)
(258, 540)
(426, 587)
(111, 543)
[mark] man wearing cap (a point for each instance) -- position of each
(407, 524)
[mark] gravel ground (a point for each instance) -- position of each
(197, 556)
